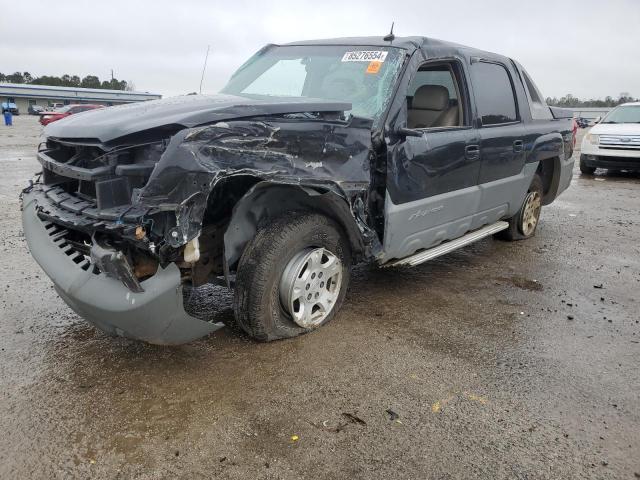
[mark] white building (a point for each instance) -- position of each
(24, 95)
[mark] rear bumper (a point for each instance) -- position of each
(610, 161)
(156, 315)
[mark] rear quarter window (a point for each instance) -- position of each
(537, 105)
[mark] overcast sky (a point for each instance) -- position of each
(587, 48)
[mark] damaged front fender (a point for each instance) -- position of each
(327, 158)
(268, 199)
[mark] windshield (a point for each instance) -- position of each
(63, 109)
(362, 76)
(624, 114)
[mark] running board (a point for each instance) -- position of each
(430, 254)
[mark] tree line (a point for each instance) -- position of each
(574, 102)
(90, 81)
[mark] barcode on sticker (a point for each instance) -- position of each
(365, 56)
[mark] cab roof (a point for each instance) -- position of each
(407, 43)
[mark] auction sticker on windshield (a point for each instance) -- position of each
(374, 67)
(365, 56)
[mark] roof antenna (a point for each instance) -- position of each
(204, 67)
(391, 36)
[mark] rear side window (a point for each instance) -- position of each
(494, 93)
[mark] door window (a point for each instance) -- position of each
(433, 98)
(495, 98)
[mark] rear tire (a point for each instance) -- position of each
(523, 224)
(584, 168)
(270, 264)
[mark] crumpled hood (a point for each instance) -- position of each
(106, 124)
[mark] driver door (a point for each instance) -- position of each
(432, 176)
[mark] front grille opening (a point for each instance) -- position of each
(75, 245)
(87, 168)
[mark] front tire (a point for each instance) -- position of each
(292, 277)
(523, 224)
(584, 169)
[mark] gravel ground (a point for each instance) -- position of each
(501, 360)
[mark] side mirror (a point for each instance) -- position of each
(597, 119)
(409, 132)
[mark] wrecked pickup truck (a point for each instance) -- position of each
(315, 156)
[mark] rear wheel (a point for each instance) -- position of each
(524, 223)
(584, 168)
(292, 277)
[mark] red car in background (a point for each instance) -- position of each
(47, 117)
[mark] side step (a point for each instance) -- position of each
(430, 254)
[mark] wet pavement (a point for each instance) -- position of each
(501, 360)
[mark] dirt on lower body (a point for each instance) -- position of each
(501, 360)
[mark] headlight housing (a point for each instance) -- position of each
(593, 139)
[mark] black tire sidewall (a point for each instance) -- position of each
(584, 168)
(266, 311)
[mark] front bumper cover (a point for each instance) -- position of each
(608, 161)
(156, 315)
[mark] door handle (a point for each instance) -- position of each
(517, 146)
(472, 152)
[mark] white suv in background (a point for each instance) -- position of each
(614, 142)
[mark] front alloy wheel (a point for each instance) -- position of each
(310, 286)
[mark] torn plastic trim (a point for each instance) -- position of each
(114, 264)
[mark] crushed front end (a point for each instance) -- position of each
(96, 244)
(126, 225)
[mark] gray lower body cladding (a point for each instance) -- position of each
(156, 315)
(424, 223)
(430, 221)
